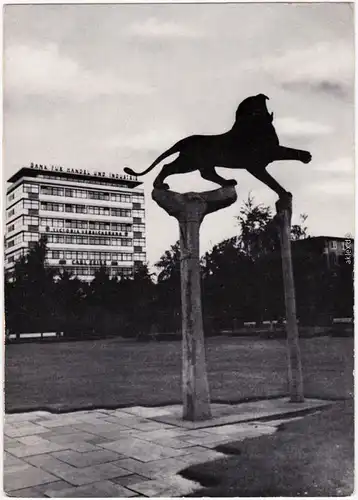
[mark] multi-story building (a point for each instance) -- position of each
(90, 219)
(333, 248)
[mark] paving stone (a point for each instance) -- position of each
(278, 421)
(166, 466)
(151, 488)
(98, 489)
(60, 421)
(174, 443)
(123, 413)
(128, 480)
(160, 434)
(141, 450)
(103, 411)
(26, 477)
(155, 469)
(115, 435)
(241, 428)
(70, 438)
(84, 447)
(133, 466)
(219, 438)
(26, 493)
(28, 429)
(40, 491)
(36, 439)
(192, 433)
(203, 456)
(143, 424)
(76, 476)
(7, 441)
(64, 429)
(180, 486)
(23, 451)
(99, 440)
(12, 461)
(100, 427)
(147, 412)
(27, 416)
(112, 420)
(86, 459)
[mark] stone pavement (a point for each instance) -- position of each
(128, 452)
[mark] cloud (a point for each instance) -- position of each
(153, 28)
(152, 140)
(333, 187)
(43, 70)
(326, 67)
(344, 165)
(293, 127)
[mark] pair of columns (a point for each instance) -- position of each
(190, 209)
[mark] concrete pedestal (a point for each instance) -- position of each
(190, 209)
(283, 217)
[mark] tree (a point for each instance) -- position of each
(300, 231)
(30, 294)
(169, 263)
(258, 234)
(168, 289)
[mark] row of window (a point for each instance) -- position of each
(90, 271)
(26, 236)
(139, 241)
(78, 255)
(74, 239)
(23, 221)
(83, 224)
(139, 256)
(138, 197)
(16, 255)
(83, 193)
(82, 181)
(84, 209)
(24, 188)
(21, 205)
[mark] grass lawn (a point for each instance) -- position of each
(309, 457)
(112, 373)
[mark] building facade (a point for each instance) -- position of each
(335, 249)
(90, 220)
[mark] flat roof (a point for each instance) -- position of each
(70, 173)
(310, 238)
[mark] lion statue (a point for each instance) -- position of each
(251, 144)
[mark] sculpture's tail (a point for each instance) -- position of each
(172, 150)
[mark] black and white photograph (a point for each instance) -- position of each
(178, 249)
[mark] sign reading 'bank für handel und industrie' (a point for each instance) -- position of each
(80, 171)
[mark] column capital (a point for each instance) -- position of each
(194, 206)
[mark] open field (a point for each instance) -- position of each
(112, 373)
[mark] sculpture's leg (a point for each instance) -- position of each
(263, 176)
(177, 166)
(284, 153)
(211, 175)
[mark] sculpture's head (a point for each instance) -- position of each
(254, 106)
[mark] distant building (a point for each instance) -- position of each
(90, 219)
(332, 247)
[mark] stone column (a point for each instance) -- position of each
(283, 217)
(190, 209)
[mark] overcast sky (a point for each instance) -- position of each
(108, 86)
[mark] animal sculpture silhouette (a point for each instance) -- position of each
(251, 144)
